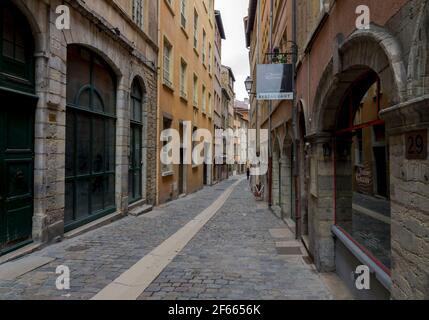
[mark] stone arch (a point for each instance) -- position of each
(375, 49)
(418, 65)
(114, 65)
(28, 8)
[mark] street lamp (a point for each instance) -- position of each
(249, 84)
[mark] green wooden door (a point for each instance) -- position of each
(135, 164)
(16, 172)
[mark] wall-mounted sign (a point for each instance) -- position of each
(274, 82)
(417, 146)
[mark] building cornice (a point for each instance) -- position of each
(113, 32)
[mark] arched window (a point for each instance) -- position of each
(135, 175)
(362, 169)
(16, 49)
(90, 137)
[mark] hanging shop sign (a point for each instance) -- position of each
(274, 82)
(417, 145)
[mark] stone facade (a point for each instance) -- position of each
(106, 28)
(181, 99)
(333, 57)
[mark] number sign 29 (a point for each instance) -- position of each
(417, 148)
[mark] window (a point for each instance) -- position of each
(204, 99)
(183, 13)
(138, 13)
(166, 169)
(167, 63)
(16, 49)
(204, 46)
(195, 89)
(362, 170)
(210, 58)
(210, 105)
(196, 29)
(183, 79)
(135, 172)
(90, 137)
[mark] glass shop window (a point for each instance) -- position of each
(362, 170)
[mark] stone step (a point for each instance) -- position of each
(141, 210)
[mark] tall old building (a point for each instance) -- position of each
(78, 114)
(186, 88)
(217, 114)
(361, 133)
(228, 100)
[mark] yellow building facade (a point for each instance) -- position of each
(185, 87)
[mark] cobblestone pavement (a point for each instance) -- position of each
(235, 257)
(97, 258)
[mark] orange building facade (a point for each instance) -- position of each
(186, 87)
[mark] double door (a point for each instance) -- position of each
(16, 172)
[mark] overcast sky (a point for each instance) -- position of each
(234, 52)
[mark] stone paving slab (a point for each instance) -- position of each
(97, 258)
(234, 257)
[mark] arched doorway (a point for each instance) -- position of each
(135, 172)
(90, 138)
(362, 192)
(17, 110)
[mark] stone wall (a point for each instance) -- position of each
(92, 30)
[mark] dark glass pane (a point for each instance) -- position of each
(82, 199)
(78, 72)
(97, 194)
(8, 25)
(105, 84)
(20, 54)
(8, 49)
(83, 136)
(84, 99)
(109, 200)
(137, 91)
(110, 144)
(137, 146)
(69, 209)
(97, 103)
(98, 145)
(20, 37)
(70, 144)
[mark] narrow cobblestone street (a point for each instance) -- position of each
(234, 256)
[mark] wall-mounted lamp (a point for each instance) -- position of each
(249, 84)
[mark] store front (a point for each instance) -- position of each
(362, 192)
